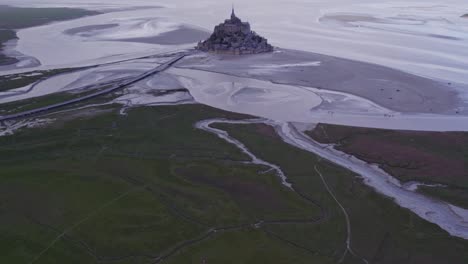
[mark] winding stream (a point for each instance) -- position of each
(205, 125)
(451, 218)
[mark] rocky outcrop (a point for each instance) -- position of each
(234, 37)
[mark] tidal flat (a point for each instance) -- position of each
(15, 18)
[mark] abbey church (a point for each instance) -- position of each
(234, 37)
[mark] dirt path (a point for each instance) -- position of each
(348, 223)
(84, 219)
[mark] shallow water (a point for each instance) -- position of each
(421, 37)
(291, 103)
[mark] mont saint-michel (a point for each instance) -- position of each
(344, 143)
(235, 37)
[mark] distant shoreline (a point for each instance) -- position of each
(16, 18)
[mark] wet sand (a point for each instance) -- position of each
(347, 19)
(390, 88)
(387, 23)
(86, 31)
(180, 36)
(15, 18)
(16, 60)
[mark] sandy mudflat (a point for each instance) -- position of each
(387, 87)
(387, 23)
(346, 19)
(86, 31)
(17, 59)
(182, 35)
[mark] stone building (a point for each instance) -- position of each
(234, 37)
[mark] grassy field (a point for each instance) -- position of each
(131, 188)
(13, 81)
(47, 100)
(99, 187)
(382, 232)
(34, 103)
(431, 157)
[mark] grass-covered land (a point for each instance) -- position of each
(148, 187)
(13, 81)
(12, 18)
(133, 188)
(430, 157)
(48, 100)
(382, 232)
(34, 103)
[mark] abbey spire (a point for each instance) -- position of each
(234, 18)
